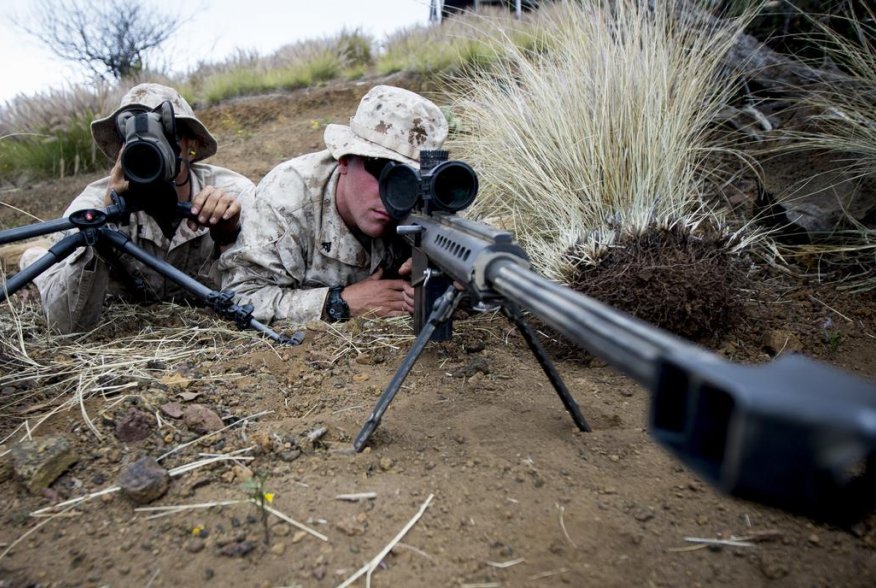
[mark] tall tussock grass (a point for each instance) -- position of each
(48, 135)
(841, 120)
(605, 135)
(844, 119)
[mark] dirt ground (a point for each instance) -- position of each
(514, 494)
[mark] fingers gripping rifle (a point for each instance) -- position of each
(793, 433)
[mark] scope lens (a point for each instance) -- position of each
(454, 185)
(142, 162)
(399, 189)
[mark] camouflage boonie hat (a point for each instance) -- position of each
(392, 123)
(149, 96)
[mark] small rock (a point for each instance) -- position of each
(194, 545)
(350, 527)
(238, 548)
(781, 341)
(201, 420)
(281, 530)
(292, 455)
(136, 425)
(476, 365)
(144, 481)
(364, 359)
(172, 409)
(38, 462)
(298, 536)
(814, 539)
(278, 548)
(386, 463)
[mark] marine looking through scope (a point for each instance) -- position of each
(439, 184)
(151, 152)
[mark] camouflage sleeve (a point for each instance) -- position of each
(267, 265)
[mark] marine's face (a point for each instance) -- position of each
(358, 196)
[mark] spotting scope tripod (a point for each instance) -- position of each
(95, 229)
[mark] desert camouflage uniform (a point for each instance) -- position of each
(73, 291)
(294, 245)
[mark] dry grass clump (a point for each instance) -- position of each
(134, 347)
(469, 39)
(842, 121)
(296, 65)
(48, 135)
(603, 137)
(844, 118)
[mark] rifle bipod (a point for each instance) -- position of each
(93, 232)
(441, 313)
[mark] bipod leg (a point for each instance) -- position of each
(57, 252)
(441, 312)
(515, 316)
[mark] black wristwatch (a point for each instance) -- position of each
(336, 309)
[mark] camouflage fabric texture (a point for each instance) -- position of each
(74, 290)
(294, 245)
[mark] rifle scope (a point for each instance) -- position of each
(439, 184)
(150, 148)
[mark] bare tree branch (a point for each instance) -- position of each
(108, 37)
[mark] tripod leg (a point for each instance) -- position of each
(444, 307)
(57, 252)
(34, 230)
(515, 316)
(221, 302)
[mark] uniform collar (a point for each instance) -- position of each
(337, 241)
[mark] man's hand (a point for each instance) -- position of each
(214, 208)
(117, 182)
(385, 298)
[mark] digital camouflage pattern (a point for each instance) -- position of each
(73, 291)
(392, 123)
(294, 245)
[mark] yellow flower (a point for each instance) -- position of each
(269, 496)
(197, 531)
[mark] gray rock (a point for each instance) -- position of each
(38, 462)
(201, 420)
(144, 481)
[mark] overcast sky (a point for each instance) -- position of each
(213, 33)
